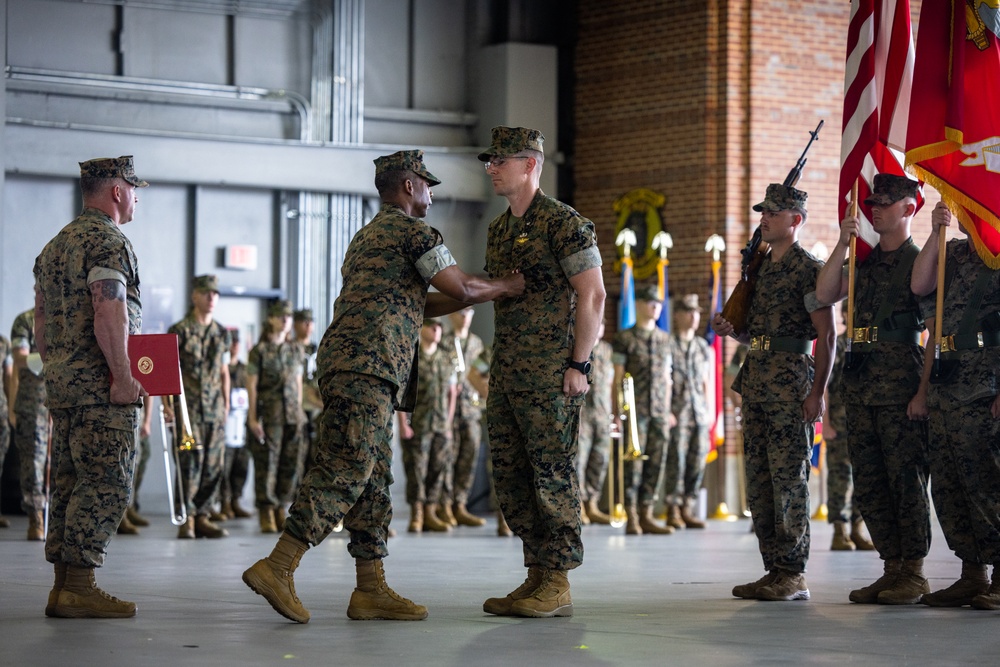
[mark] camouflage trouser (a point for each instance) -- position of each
(778, 445)
(277, 463)
(142, 454)
(643, 477)
(964, 456)
(592, 460)
(889, 456)
(4, 437)
(839, 482)
(685, 468)
(201, 469)
(533, 442)
(31, 439)
(353, 470)
(467, 436)
(426, 458)
(93, 456)
(236, 468)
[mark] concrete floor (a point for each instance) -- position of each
(649, 600)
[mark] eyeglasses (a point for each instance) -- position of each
(501, 161)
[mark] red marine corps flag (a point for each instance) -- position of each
(953, 140)
(877, 81)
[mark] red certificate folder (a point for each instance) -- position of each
(155, 363)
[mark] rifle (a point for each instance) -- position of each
(738, 304)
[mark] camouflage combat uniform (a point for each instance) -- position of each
(203, 348)
(688, 447)
(533, 426)
(312, 402)
(93, 440)
(645, 355)
(773, 384)
(595, 425)
(236, 463)
(839, 474)
(467, 430)
(888, 451)
(428, 454)
(278, 460)
(964, 442)
(31, 432)
(365, 359)
(5, 363)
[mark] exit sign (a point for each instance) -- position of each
(242, 257)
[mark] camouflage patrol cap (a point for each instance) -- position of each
(511, 141)
(890, 188)
(648, 293)
(405, 161)
(279, 308)
(782, 198)
(206, 282)
(304, 315)
(431, 322)
(687, 303)
(112, 167)
(234, 334)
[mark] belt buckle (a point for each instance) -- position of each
(760, 343)
(865, 334)
(948, 343)
(979, 339)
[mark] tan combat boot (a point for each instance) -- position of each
(973, 582)
(464, 518)
(584, 519)
(910, 586)
(690, 520)
(203, 527)
(4, 522)
(266, 516)
(503, 530)
(787, 586)
(272, 578)
(649, 525)
(841, 537)
(869, 594)
(126, 527)
(445, 514)
(186, 530)
(432, 522)
(81, 598)
(137, 519)
(227, 509)
(239, 512)
(416, 524)
(60, 582)
(36, 527)
(632, 526)
(217, 516)
(551, 598)
(991, 598)
(595, 515)
(858, 536)
(674, 519)
(749, 591)
(373, 599)
(501, 606)
(279, 517)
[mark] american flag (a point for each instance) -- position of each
(877, 84)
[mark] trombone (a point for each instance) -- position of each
(626, 449)
(171, 456)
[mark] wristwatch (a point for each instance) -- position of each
(582, 366)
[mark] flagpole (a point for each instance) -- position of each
(939, 301)
(851, 261)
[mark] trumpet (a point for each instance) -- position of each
(176, 495)
(626, 449)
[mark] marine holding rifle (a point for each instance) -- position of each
(964, 409)
(782, 386)
(885, 384)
